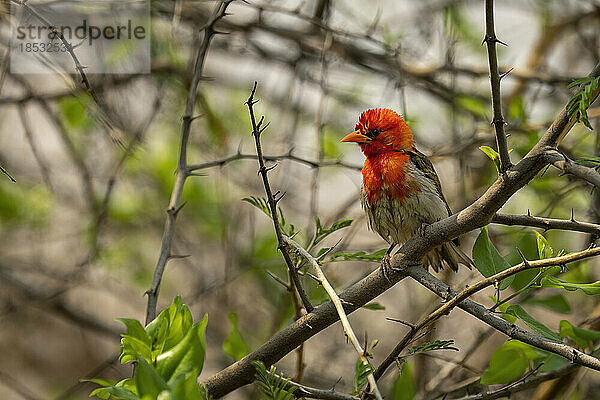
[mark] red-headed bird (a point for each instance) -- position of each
(401, 193)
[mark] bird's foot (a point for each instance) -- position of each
(386, 266)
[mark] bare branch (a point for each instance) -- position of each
(498, 121)
(182, 168)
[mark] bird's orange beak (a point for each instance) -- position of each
(355, 137)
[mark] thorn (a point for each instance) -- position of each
(525, 261)
(500, 42)
(279, 280)
(176, 211)
(261, 130)
(196, 174)
(196, 117)
(502, 75)
(277, 199)
(215, 32)
(573, 215)
(411, 326)
(528, 213)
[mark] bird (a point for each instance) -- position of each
(401, 193)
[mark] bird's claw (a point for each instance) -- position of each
(386, 267)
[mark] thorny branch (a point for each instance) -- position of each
(182, 168)
(340, 310)
(546, 223)
(566, 165)
(257, 130)
(498, 121)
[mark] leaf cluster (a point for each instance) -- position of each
(169, 356)
(580, 102)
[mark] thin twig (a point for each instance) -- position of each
(340, 310)
(182, 168)
(546, 223)
(498, 121)
(286, 156)
(257, 129)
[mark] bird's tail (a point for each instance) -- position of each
(447, 255)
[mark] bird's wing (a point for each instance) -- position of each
(421, 161)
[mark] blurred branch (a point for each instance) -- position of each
(451, 301)
(546, 223)
(17, 387)
(59, 306)
(257, 130)
(182, 168)
(287, 156)
(340, 310)
(498, 121)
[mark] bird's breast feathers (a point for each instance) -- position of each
(398, 197)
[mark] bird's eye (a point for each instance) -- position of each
(373, 133)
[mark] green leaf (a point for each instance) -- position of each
(578, 104)
(374, 306)
(487, 259)
(133, 348)
(587, 288)
(187, 357)
(583, 337)
(509, 362)
(234, 345)
(321, 233)
(555, 303)
(269, 385)
(492, 154)
(405, 386)
(435, 345)
(135, 329)
(169, 327)
(263, 205)
(114, 392)
(531, 322)
(148, 382)
(135, 343)
(544, 248)
(359, 256)
(361, 372)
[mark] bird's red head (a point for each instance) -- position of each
(379, 131)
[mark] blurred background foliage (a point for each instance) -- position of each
(81, 227)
